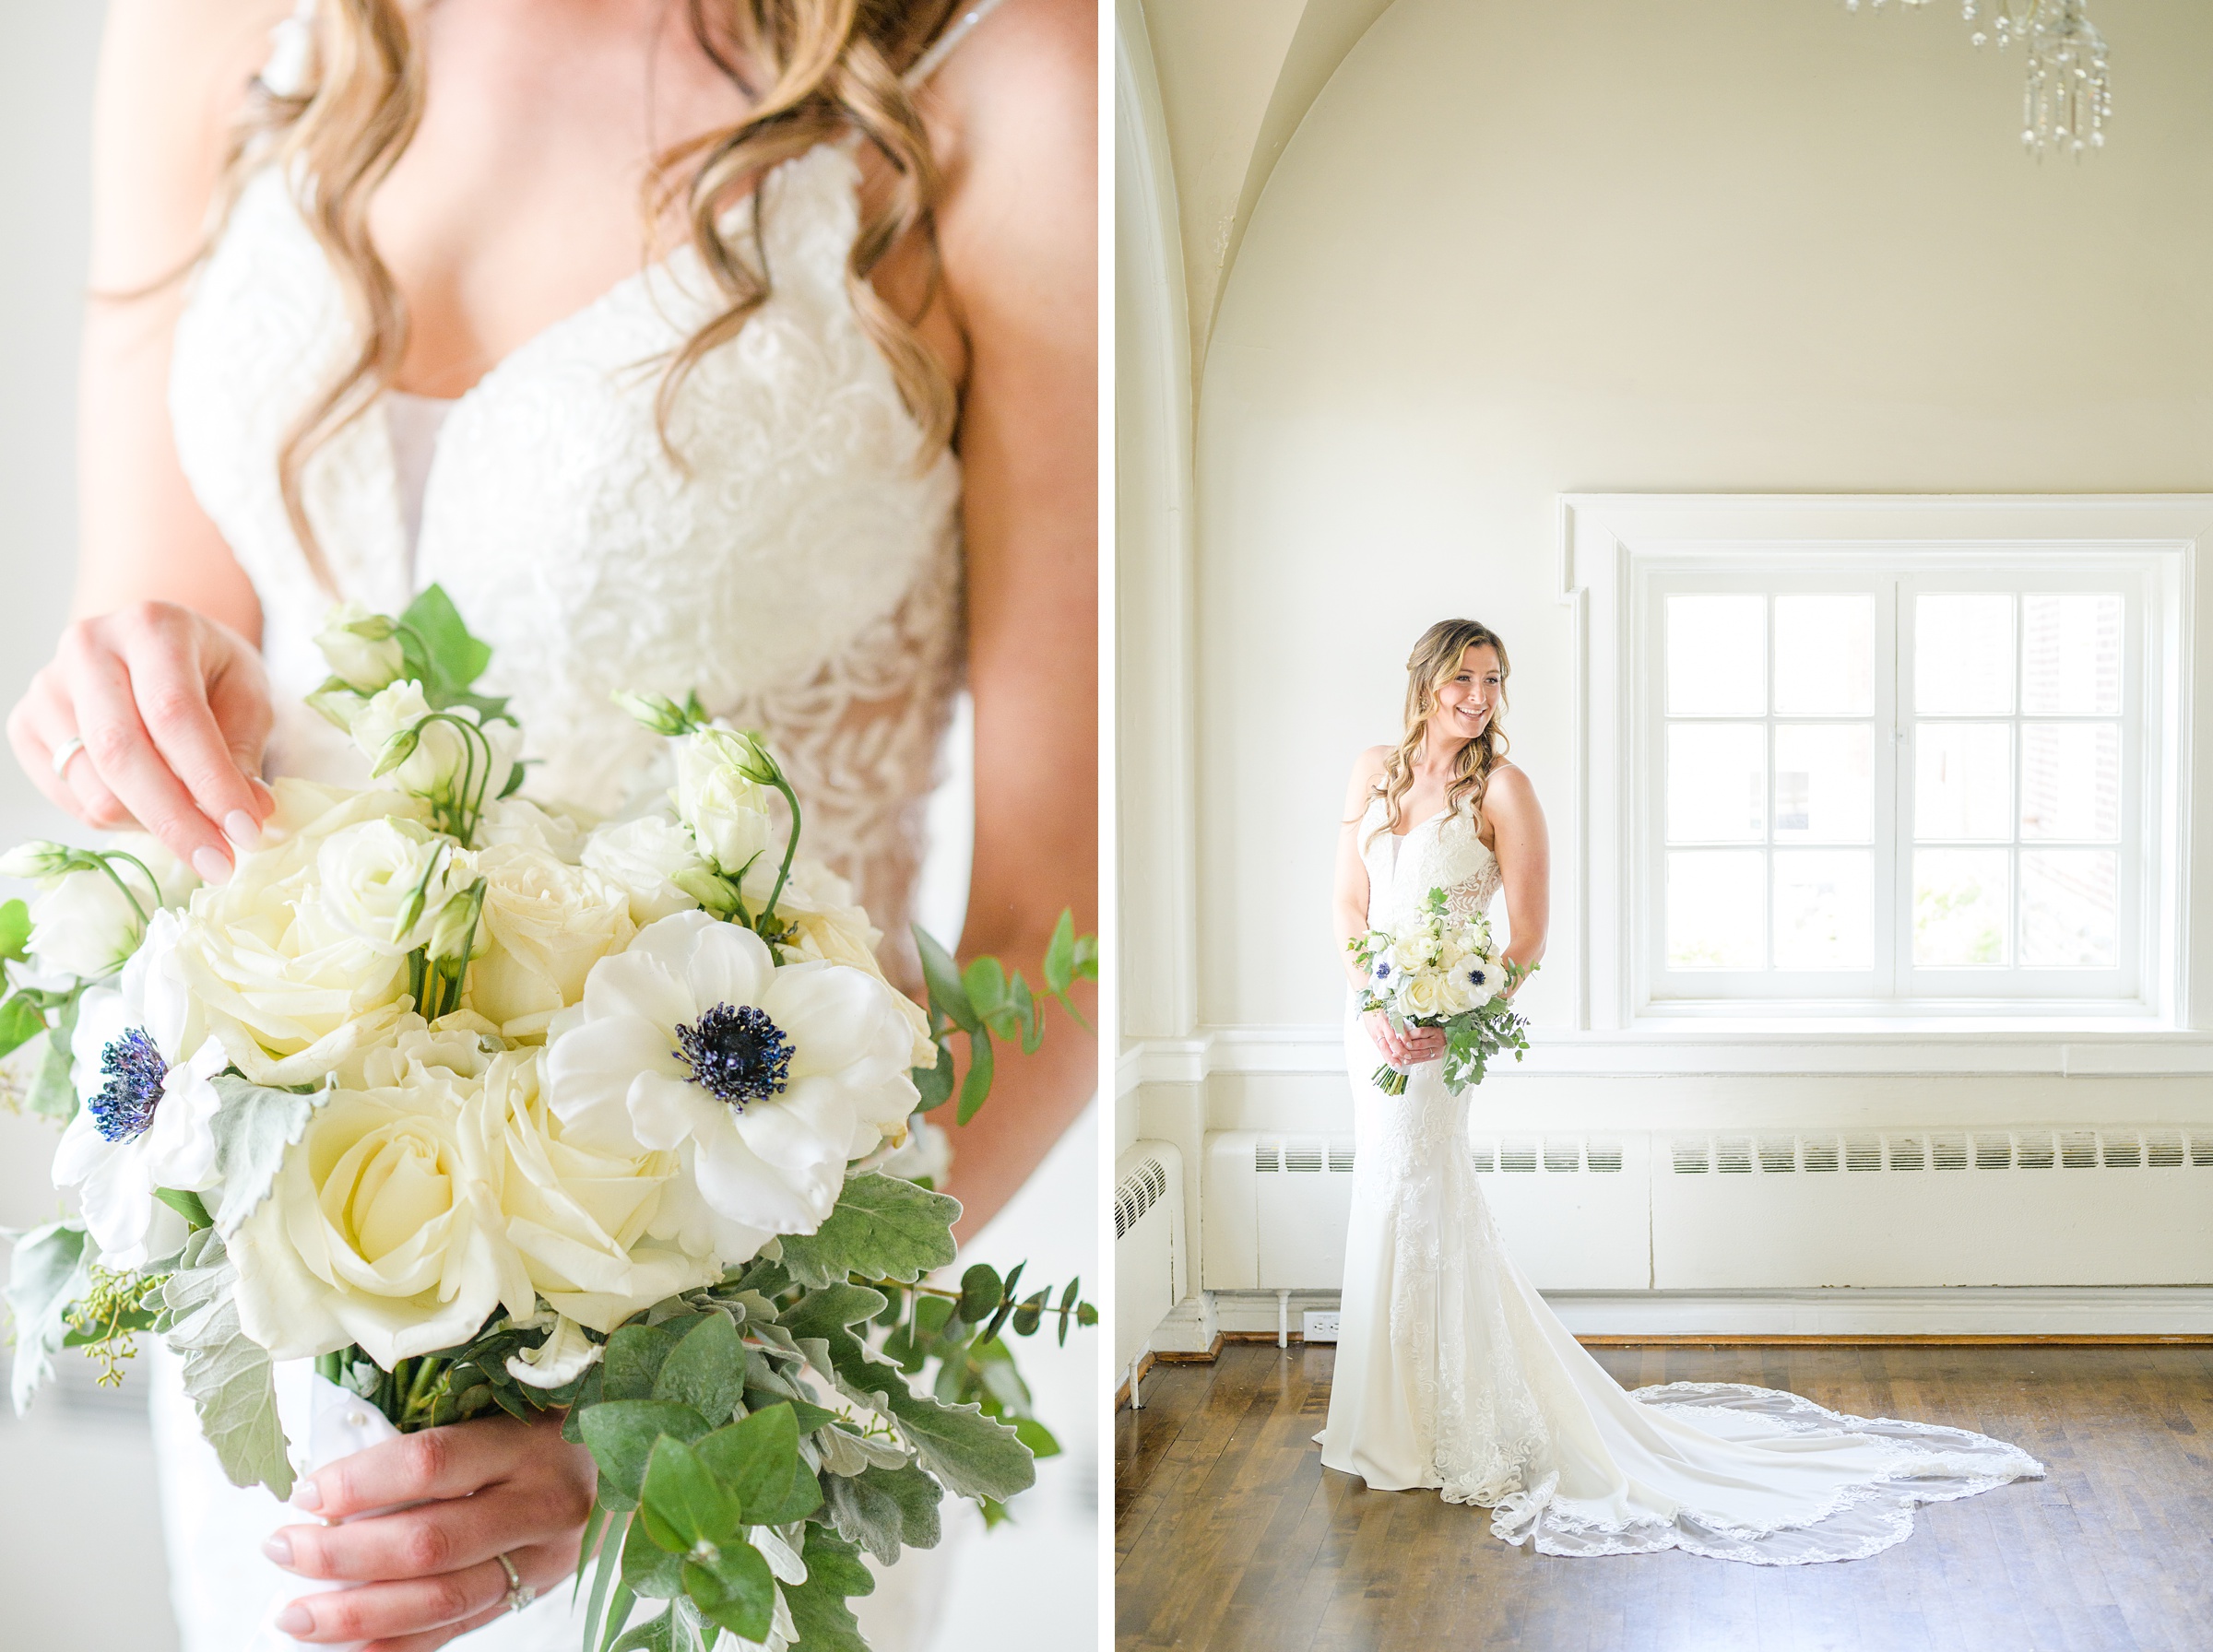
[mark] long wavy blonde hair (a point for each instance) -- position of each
(811, 70)
(1434, 663)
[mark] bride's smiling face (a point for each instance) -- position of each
(1469, 698)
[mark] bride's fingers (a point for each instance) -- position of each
(450, 1535)
(418, 1468)
(121, 753)
(418, 1611)
(176, 686)
(42, 725)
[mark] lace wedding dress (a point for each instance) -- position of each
(1451, 1373)
(802, 574)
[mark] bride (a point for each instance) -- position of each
(1451, 1373)
(746, 346)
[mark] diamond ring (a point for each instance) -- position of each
(65, 753)
(519, 1594)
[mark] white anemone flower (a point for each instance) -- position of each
(148, 1113)
(772, 1078)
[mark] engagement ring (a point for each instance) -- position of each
(64, 753)
(519, 1594)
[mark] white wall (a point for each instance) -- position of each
(1667, 246)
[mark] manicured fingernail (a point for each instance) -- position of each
(243, 829)
(307, 1494)
(294, 1619)
(211, 864)
(278, 1549)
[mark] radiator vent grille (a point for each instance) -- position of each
(2115, 1149)
(1143, 1188)
(1555, 1155)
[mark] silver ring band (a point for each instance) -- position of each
(66, 753)
(519, 1594)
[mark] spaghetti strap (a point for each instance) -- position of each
(944, 45)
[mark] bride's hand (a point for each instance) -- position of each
(486, 1488)
(173, 711)
(1410, 1049)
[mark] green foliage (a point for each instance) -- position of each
(706, 1370)
(251, 1131)
(228, 1373)
(104, 1320)
(444, 658)
(983, 1001)
(22, 1020)
(52, 1093)
(621, 1435)
(882, 1227)
(882, 1509)
(50, 1269)
(15, 931)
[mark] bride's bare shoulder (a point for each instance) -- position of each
(1368, 769)
(173, 75)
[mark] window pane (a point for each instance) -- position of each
(2067, 908)
(1716, 908)
(1963, 654)
(1960, 900)
(1717, 783)
(1963, 781)
(1822, 781)
(1717, 655)
(1822, 910)
(2071, 781)
(1825, 655)
(2070, 654)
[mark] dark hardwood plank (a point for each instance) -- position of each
(1232, 1537)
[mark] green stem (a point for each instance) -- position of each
(100, 858)
(153, 882)
(791, 847)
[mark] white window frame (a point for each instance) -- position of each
(1619, 550)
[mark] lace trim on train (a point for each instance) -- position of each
(1929, 1463)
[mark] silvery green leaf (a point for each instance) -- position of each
(252, 1128)
(47, 1272)
(53, 1094)
(844, 1452)
(973, 1455)
(882, 1509)
(227, 1375)
(881, 1228)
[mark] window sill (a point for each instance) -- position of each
(2068, 1047)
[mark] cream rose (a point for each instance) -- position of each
(383, 1227)
(583, 1218)
(382, 881)
(818, 904)
(545, 922)
(288, 989)
(642, 858)
(1421, 996)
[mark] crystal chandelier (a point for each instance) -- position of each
(2065, 98)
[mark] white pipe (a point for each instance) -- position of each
(1283, 1318)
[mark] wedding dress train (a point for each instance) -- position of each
(1452, 1373)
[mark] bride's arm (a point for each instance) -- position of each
(156, 671)
(1510, 806)
(1348, 907)
(1018, 234)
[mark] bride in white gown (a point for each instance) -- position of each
(1451, 1373)
(822, 463)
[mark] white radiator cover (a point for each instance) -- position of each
(1750, 1210)
(1149, 1244)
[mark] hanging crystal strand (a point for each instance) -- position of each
(2067, 97)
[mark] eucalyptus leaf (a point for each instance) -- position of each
(976, 1088)
(252, 1128)
(649, 1571)
(48, 1271)
(758, 1461)
(683, 1505)
(934, 1084)
(227, 1375)
(882, 1227)
(733, 1588)
(620, 1435)
(633, 1360)
(658, 1635)
(52, 1094)
(881, 1509)
(15, 930)
(706, 1370)
(980, 1292)
(22, 1020)
(941, 975)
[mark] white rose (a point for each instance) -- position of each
(519, 820)
(545, 924)
(382, 881)
(775, 1078)
(820, 905)
(720, 797)
(288, 989)
(1421, 996)
(642, 858)
(583, 1218)
(444, 757)
(382, 1227)
(361, 648)
(88, 923)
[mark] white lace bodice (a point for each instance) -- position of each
(804, 576)
(1443, 852)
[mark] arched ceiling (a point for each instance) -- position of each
(1236, 77)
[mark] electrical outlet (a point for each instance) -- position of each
(1319, 1326)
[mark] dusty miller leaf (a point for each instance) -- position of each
(228, 1376)
(882, 1228)
(46, 1274)
(252, 1128)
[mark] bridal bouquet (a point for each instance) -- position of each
(1437, 968)
(476, 1104)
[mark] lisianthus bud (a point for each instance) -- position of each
(362, 648)
(457, 933)
(722, 781)
(41, 858)
(336, 702)
(659, 712)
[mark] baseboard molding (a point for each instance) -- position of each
(1958, 1314)
(1183, 1356)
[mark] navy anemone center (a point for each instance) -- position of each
(134, 1070)
(738, 1056)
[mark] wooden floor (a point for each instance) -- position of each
(1231, 1536)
